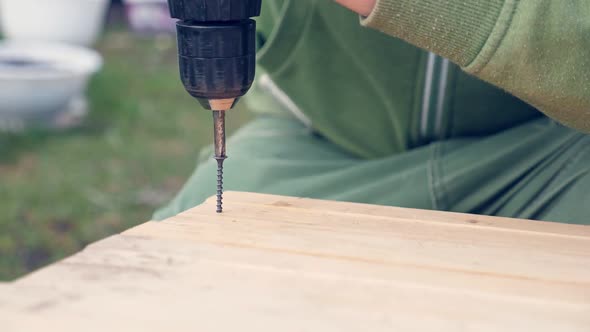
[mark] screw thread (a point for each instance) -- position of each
(219, 185)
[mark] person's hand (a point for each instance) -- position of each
(363, 7)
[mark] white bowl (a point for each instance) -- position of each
(37, 80)
(69, 21)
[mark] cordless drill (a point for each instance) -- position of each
(217, 58)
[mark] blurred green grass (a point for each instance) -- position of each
(61, 191)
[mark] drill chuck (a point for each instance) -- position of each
(217, 60)
(216, 48)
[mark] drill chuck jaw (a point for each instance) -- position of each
(216, 48)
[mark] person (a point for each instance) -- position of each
(477, 106)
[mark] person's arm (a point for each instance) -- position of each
(362, 7)
(538, 50)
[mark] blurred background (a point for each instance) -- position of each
(96, 131)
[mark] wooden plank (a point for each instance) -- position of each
(274, 263)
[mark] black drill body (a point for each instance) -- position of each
(217, 58)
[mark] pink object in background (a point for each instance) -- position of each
(150, 16)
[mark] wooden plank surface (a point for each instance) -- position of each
(274, 263)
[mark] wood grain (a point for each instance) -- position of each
(274, 263)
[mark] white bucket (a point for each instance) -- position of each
(70, 21)
(39, 81)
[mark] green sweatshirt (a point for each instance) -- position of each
(382, 121)
(374, 95)
(538, 50)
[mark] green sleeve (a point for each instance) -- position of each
(538, 50)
